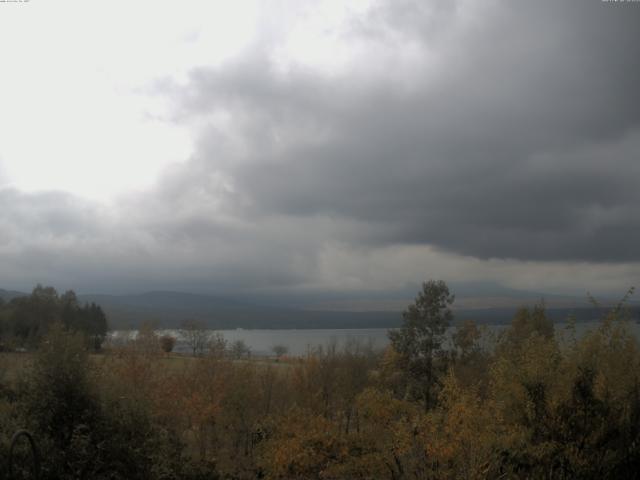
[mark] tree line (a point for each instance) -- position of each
(530, 402)
(25, 320)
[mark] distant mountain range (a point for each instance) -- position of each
(7, 295)
(168, 309)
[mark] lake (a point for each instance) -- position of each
(299, 342)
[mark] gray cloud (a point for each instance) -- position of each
(520, 141)
(469, 143)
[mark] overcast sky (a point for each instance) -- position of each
(287, 146)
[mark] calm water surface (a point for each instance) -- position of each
(299, 342)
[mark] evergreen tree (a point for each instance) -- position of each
(419, 341)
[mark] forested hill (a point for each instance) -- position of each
(7, 295)
(168, 309)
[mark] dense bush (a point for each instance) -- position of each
(167, 342)
(86, 429)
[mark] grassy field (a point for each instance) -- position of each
(14, 365)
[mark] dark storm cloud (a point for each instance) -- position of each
(519, 139)
(454, 130)
(147, 242)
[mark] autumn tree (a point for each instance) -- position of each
(470, 359)
(279, 350)
(465, 339)
(196, 336)
(167, 342)
(57, 396)
(95, 423)
(217, 345)
(147, 340)
(419, 340)
(239, 349)
(527, 321)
